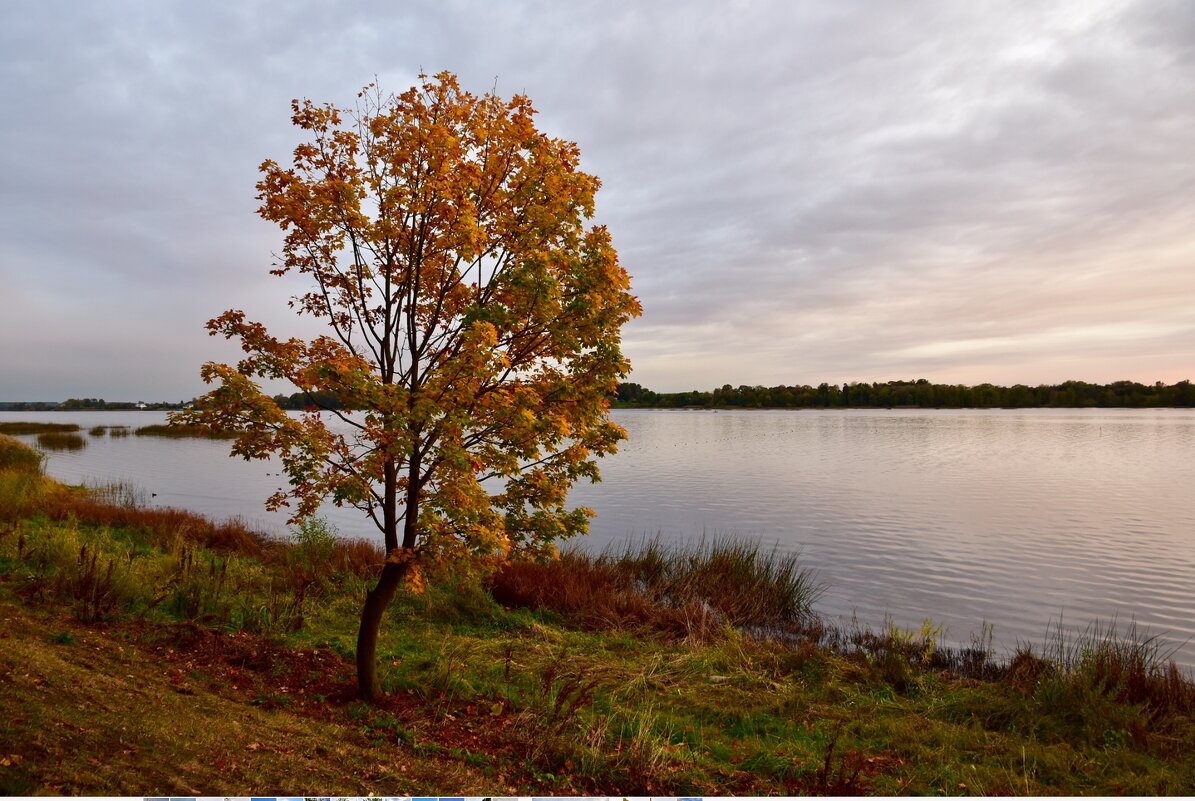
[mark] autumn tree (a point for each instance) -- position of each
(473, 330)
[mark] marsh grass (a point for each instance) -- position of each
(181, 431)
(691, 591)
(61, 441)
(18, 428)
(118, 431)
(1119, 664)
(120, 493)
(19, 457)
(97, 431)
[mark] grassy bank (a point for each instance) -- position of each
(151, 651)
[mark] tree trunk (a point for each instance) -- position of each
(376, 601)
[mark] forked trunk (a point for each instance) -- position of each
(376, 601)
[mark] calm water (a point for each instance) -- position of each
(1016, 518)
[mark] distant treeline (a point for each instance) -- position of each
(920, 393)
(299, 400)
(85, 404)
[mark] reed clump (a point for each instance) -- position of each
(61, 441)
(1123, 665)
(97, 431)
(118, 493)
(19, 428)
(184, 431)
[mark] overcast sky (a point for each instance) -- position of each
(803, 192)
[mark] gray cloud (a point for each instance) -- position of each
(804, 192)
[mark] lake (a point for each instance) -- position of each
(1016, 518)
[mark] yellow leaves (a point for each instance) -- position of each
(401, 556)
(414, 580)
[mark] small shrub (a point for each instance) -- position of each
(307, 563)
(313, 545)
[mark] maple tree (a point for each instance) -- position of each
(474, 331)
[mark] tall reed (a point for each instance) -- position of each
(180, 431)
(19, 427)
(61, 441)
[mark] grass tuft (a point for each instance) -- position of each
(1124, 665)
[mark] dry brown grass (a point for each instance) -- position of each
(686, 591)
(358, 556)
(585, 591)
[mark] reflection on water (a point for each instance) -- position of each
(1011, 517)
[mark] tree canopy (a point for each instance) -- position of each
(473, 328)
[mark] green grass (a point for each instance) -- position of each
(147, 651)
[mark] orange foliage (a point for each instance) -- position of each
(473, 322)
